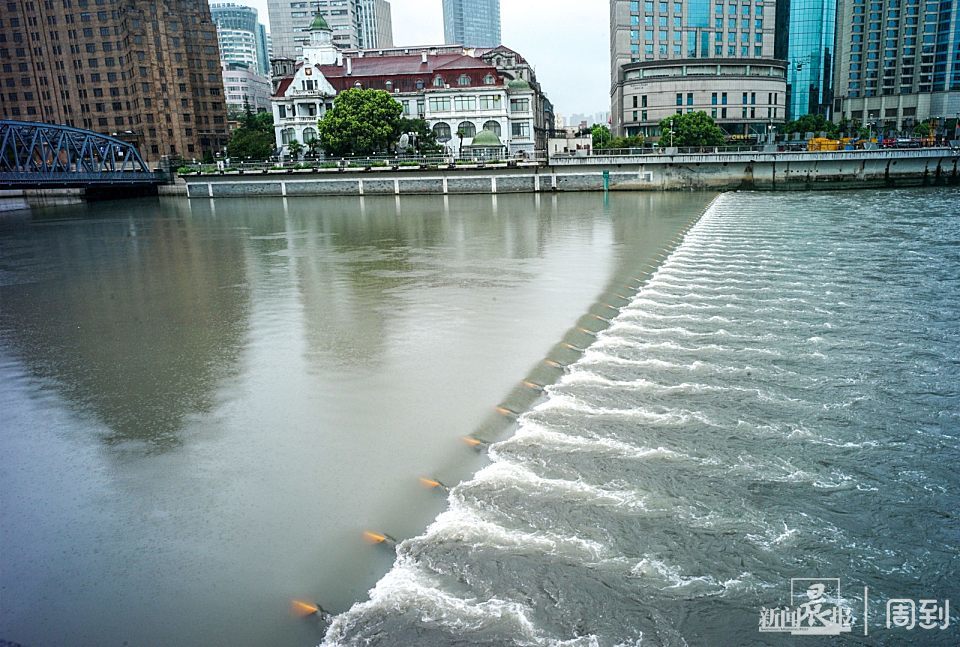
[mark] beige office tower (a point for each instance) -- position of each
(714, 56)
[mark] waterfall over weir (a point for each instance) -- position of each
(779, 400)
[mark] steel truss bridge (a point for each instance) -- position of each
(39, 156)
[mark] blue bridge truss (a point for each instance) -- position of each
(37, 155)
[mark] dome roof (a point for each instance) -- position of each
(319, 23)
(518, 84)
(486, 138)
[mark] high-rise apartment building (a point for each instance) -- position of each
(679, 56)
(472, 23)
(899, 62)
(356, 24)
(809, 43)
(243, 40)
(147, 71)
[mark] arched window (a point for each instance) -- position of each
(438, 81)
(467, 129)
(309, 134)
(357, 85)
(463, 80)
(441, 131)
(492, 126)
(489, 79)
(287, 135)
(389, 86)
(419, 84)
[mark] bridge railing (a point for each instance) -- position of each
(24, 178)
(357, 164)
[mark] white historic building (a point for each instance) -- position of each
(457, 92)
(301, 100)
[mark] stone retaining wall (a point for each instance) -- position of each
(725, 171)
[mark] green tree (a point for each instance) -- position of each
(254, 144)
(923, 129)
(634, 141)
(254, 138)
(812, 124)
(601, 136)
(295, 148)
(691, 129)
(426, 140)
(313, 146)
(361, 122)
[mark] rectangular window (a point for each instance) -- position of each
(520, 130)
(465, 104)
(689, 98)
(723, 99)
(439, 104)
(643, 101)
(519, 105)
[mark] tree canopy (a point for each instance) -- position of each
(812, 124)
(254, 138)
(362, 122)
(691, 129)
(601, 136)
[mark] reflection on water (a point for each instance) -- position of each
(205, 403)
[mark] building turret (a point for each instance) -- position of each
(321, 50)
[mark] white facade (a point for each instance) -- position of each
(304, 99)
(455, 107)
(244, 88)
(238, 46)
(508, 113)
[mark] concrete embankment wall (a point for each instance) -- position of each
(765, 171)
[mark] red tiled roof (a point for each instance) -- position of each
(282, 88)
(406, 64)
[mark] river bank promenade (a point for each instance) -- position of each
(749, 170)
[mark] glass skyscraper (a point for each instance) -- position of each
(472, 23)
(810, 55)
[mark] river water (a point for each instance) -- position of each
(781, 400)
(204, 404)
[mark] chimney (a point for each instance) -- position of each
(349, 65)
(423, 58)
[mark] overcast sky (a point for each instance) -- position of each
(567, 41)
